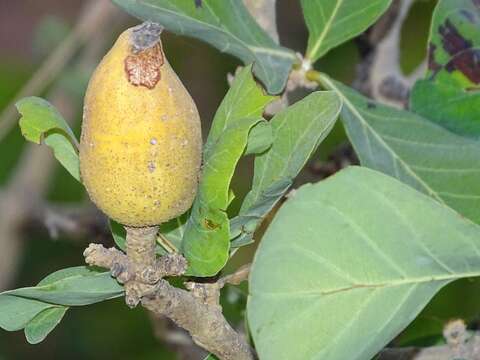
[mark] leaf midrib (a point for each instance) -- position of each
(366, 125)
(326, 30)
(395, 283)
(252, 49)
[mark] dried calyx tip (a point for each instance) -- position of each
(145, 35)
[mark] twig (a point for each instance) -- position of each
(460, 345)
(205, 322)
(266, 15)
(75, 222)
(387, 82)
(175, 339)
(237, 277)
(88, 25)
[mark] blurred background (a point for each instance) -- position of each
(46, 219)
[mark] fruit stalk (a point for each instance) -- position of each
(140, 243)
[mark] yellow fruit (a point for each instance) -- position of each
(140, 148)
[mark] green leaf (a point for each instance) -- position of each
(414, 150)
(225, 24)
(347, 263)
(333, 22)
(243, 226)
(41, 325)
(244, 99)
(41, 121)
(211, 357)
(449, 95)
(39, 309)
(206, 240)
(74, 286)
(16, 312)
(297, 132)
(119, 234)
(259, 139)
(171, 233)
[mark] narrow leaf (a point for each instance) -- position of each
(206, 237)
(206, 241)
(297, 132)
(414, 150)
(75, 286)
(244, 99)
(349, 262)
(450, 92)
(225, 24)
(333, 22)
(41, 121)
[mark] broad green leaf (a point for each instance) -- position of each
(206, 241)
(225, 24)
(41, 325)
(349, 262)
(416, 151)
(333, 22)
(297, 132)
(449, 95)
(74, 286)
(16, 312)
(455, 301)
(41, 121)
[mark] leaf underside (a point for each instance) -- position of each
(348, 262)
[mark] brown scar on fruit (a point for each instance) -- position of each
(143, 68)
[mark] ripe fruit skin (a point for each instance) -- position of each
(140, 148)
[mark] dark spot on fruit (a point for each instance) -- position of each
(210, 225)
(198, 3)
(143, 68)
(151, 167)
(371, 105)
